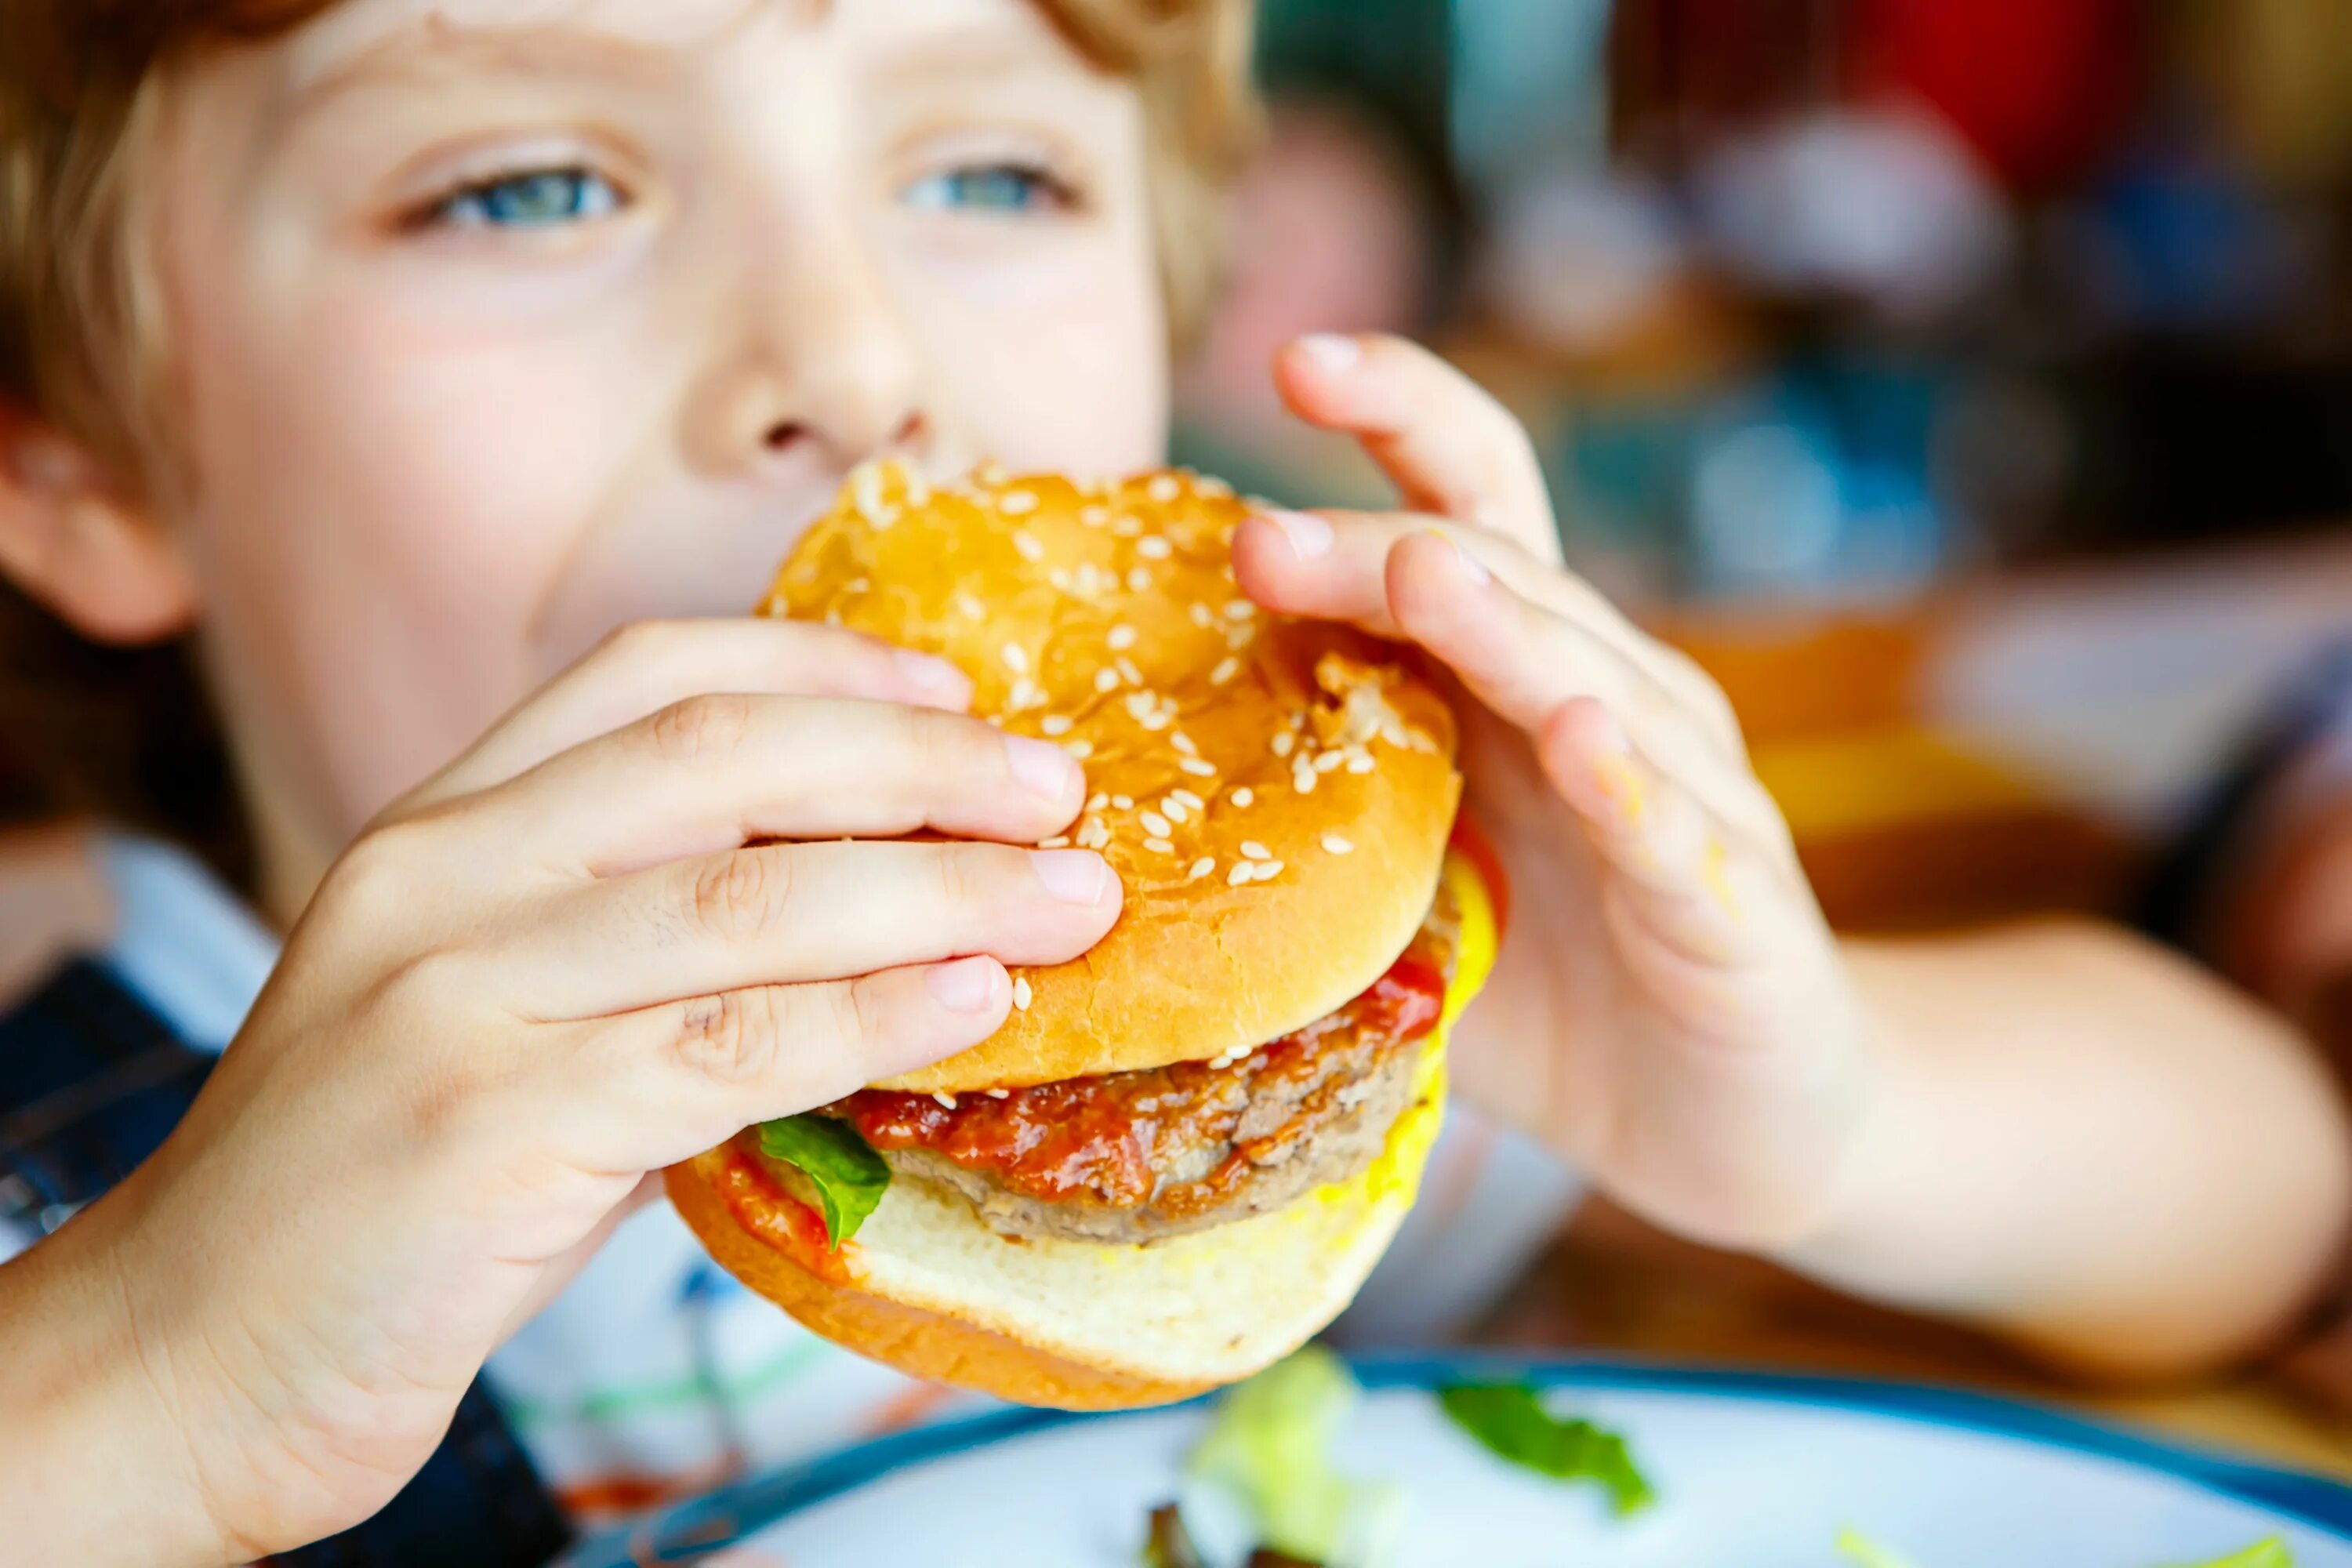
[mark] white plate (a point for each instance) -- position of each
(1756, 1471)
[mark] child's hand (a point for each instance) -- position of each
(554, 970)
(1670, 1010)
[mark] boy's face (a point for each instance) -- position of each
(496, 324)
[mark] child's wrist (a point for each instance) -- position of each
(87, 1405)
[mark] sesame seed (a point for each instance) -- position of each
(866, 485)
(1094, 835)
(1226, 669)
(1022, 994)
(1097, 801)
(1123, 802)
(1026, 694)
(1184, 743)
(1016, 659)
(1173, 809)
(1105, 681)
(1201, 867)
(1162, 489)
(1026, 544)
(972, 608)
(1094, 516)
(1160, 846)
(859, 585)
(1240, 637)
(1252, 851)
(1121, 639)
(1303, 781)
(1283, 743)
(944, 1098)
(1079, 750)
(1139, 704)
(1191, 801)
(1243, 797)
(1201, 616)
(1059, 841)
(1240, 610)
(832, 617)
(1335, 844)
(1197, 768)
(1154, 722)
(1361, 762)
(1214, 488)
(1127, 668)
(1054, 725)
(1138, 581)
(1127, 527)
(1156, 825)
(999, 1094)
(1016, 504)
(989, 472)
(1267, 871)
(1329, 760)
(1060, 579)
(1240, 876)
(1154, 547)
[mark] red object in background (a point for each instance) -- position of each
(2040, 89)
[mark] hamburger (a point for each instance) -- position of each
(1183, 1152)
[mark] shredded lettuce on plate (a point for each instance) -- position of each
(1510, 1419)
(848, 1176)
(1863, 1553)
(1269, 1447)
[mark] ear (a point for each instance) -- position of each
(76, 541)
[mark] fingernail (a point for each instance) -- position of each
(1073, 876)
(1331, 351)
(1308, 535)
(925, 673)
(1472, 567)
(967, 985)
(1044, 768)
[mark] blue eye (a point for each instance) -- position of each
(992, 187)
(539, 198)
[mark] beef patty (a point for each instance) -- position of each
(1141, 1156)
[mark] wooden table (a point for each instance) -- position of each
(2009, 747)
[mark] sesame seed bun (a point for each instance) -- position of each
(927, 1287)
(1275, 795)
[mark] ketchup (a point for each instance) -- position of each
(1093, 1137)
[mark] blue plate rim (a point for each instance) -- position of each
(687, 1530)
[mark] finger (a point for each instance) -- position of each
(650, 665)
(662, 1085)
(1687, 881)
(1340, 565)
(1443, 440)
(712, 772)
(789, 913)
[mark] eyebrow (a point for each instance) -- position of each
(436, 50)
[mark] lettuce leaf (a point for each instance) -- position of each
(2271, 1554)
(1511, 1420)
(1269, 1445)
(848, 1176)
(1863, 1553)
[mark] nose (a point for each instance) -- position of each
(815, 366)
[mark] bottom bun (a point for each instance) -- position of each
(929, 1288)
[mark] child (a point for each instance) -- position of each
(403, 354)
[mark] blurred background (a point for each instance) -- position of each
(1968, 383)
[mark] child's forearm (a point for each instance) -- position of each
(2089, 1145)
(94, 1465)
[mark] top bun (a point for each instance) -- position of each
(1275, 794)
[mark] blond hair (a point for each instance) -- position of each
(82, 344)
